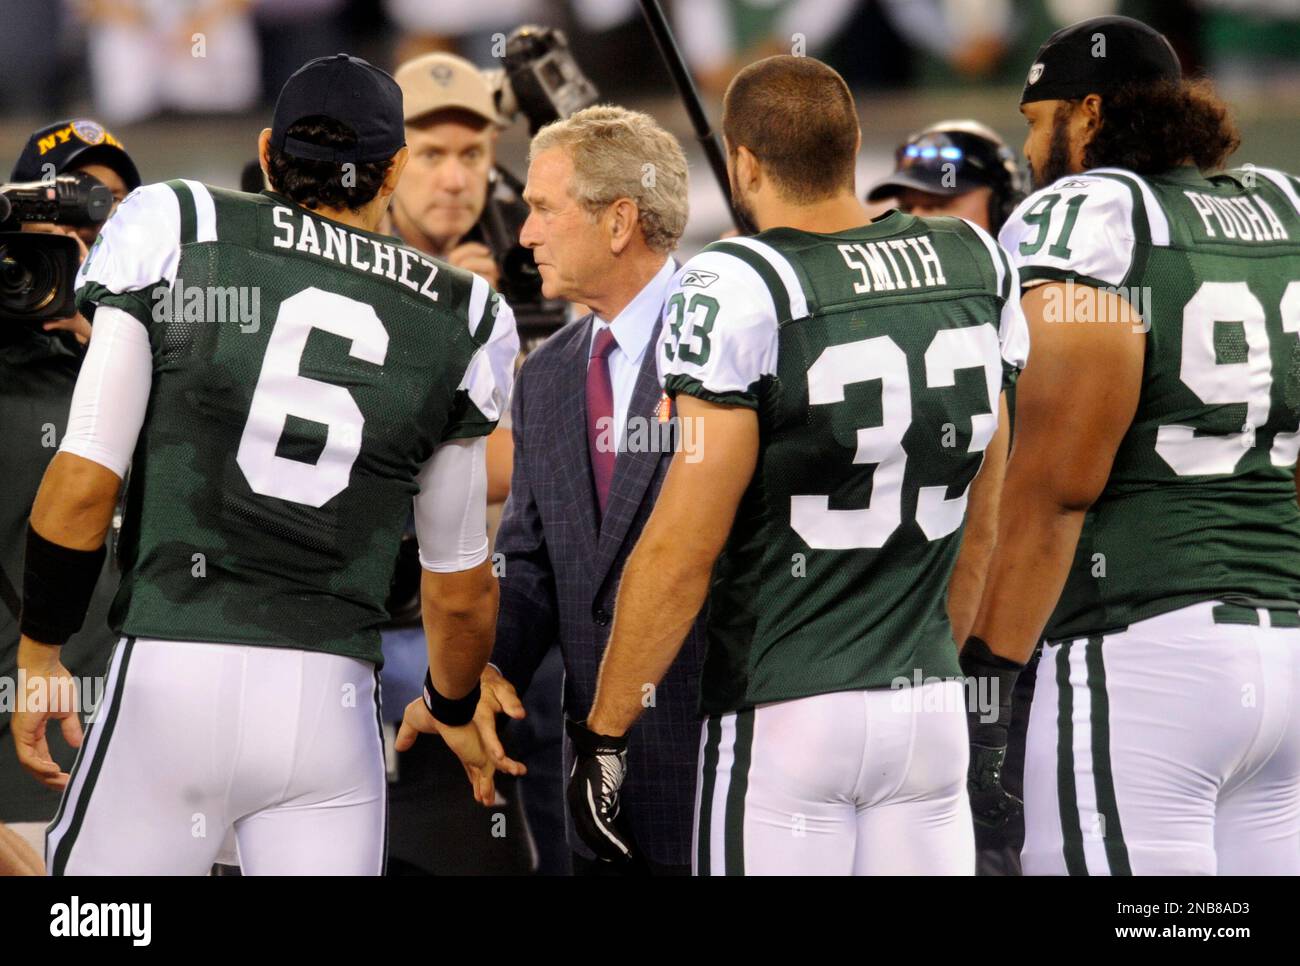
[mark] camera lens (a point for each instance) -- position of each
(14, 278)
(30, 279)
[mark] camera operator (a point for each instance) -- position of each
(451, 127)
(70, 147)
(39, 362)
(454, 201)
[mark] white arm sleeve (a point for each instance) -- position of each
(112, 392)
(451, 507)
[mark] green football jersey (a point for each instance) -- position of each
(303, 373)
(874, 359)
(1201, 500)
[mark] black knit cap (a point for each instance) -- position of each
(351, 91)
(1096, 56)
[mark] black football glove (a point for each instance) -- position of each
(599, 766)
(998, 814)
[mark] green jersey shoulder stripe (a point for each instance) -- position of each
(198, 211)
(1150, 226)
(1283, 183)
(802, 296)
(205, 211)
(1150, 214)
(788, 292)
(480, 318)
(772, 282)
(189, 219)
(1001, 267)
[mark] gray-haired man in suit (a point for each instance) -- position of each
(607, 194)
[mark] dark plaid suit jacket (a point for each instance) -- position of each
(561, 577)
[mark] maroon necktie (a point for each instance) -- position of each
(600, 416)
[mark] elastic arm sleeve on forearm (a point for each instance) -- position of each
(112, 392)
(451, 507)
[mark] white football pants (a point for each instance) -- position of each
(847, 783)
(192, 740)
(1169, 748)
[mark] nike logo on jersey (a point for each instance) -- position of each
(336, 243)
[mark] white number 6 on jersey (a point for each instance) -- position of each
(282, 392)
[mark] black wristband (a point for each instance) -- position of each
(58, 583)
(453, 712)
(992, 680)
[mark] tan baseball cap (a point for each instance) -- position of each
(439, 82)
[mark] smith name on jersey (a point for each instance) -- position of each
(1201, 500)
(281, 447)
(874, 359)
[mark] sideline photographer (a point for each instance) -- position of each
(64, 185)
(451, 127)
(454, 201)
(76, 147)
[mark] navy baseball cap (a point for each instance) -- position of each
(1096, 56)
(350, 91)
(70, 144)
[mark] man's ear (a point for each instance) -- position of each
(1087, 122)
(1090, 112)
(624, 221)
(264, 153)
(394, 172)
(749, 174)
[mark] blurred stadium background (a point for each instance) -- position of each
(134, 65)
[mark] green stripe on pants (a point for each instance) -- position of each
(708, 778)
(1112, 833)
(60, 858)
(1067, 796)
(735, 825)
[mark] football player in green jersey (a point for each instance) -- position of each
(846, 376)
(283, 382)
(1155, 540)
